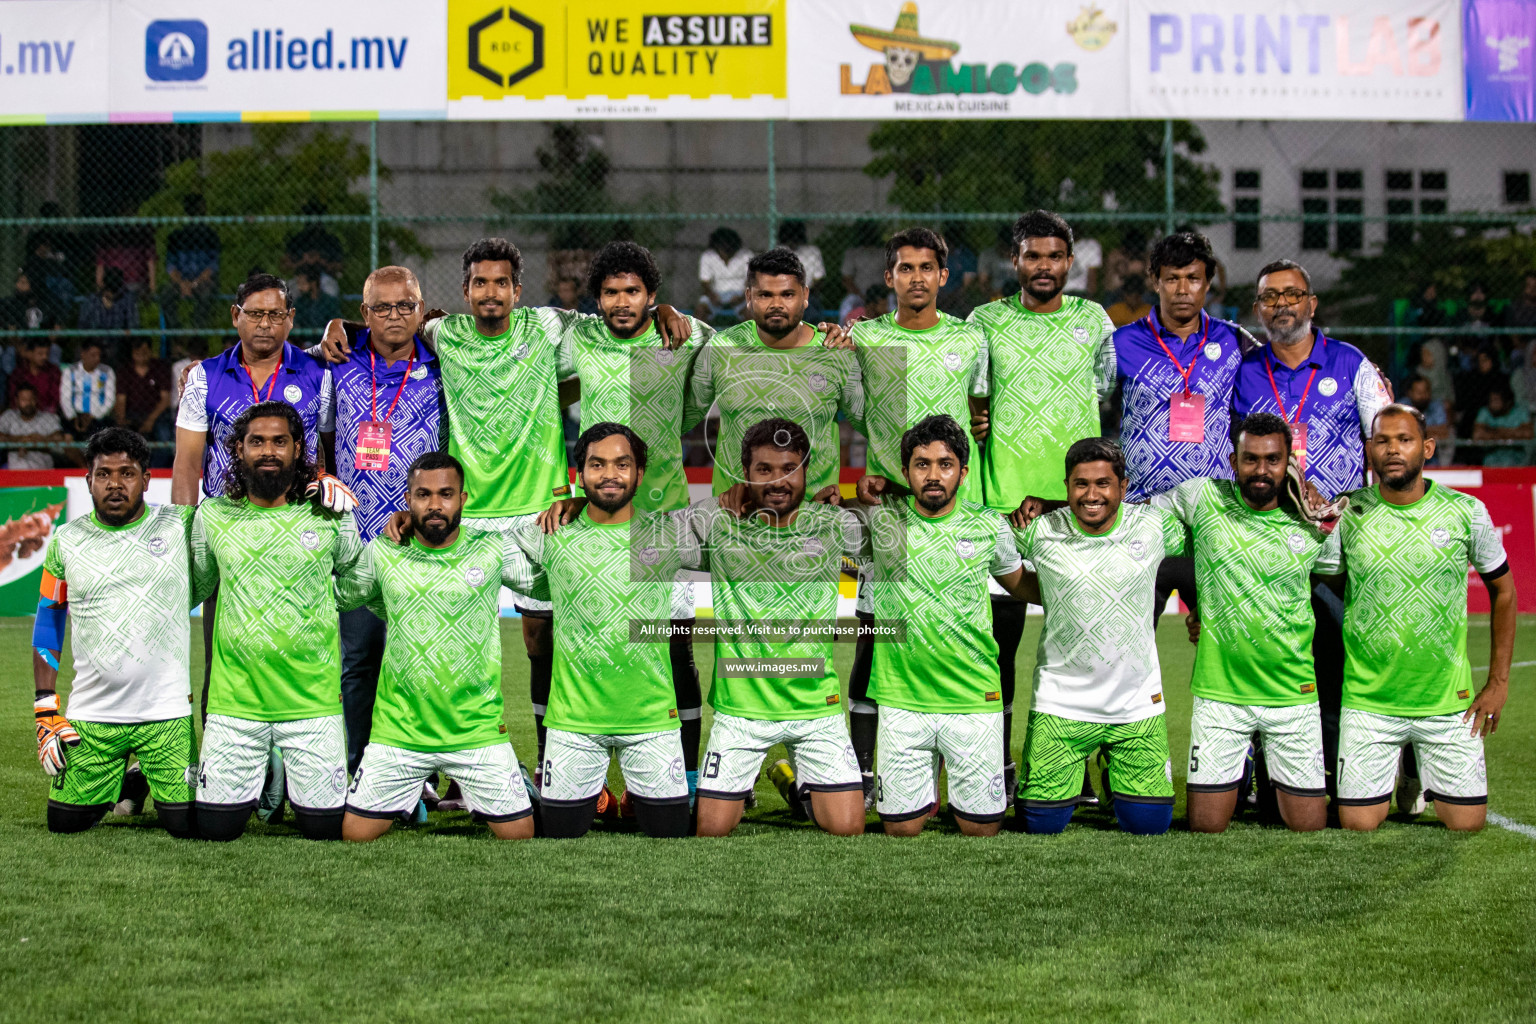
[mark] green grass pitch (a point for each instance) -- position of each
(778, 922)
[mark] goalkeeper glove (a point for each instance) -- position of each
(54, 733)
(332, 493)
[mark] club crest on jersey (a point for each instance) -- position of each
(649, 555)
(951, 361)
(1439, 536)
(474, 575)
(665, 356)
(817, 381)
(1327, 387)
(1080, 335)
(1296, 542)
(677, 769)
(965, 548)
(157, 546)
(293, 392)
(1213, 350)
(521, 352)
(339, 779)
(813, 546)
(310, 539)
(1138, 549)
(420, 373)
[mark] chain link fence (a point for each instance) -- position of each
(1418, 236)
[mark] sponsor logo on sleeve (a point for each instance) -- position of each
(1463, 694)
(1157, 698)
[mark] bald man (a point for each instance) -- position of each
(388, 412)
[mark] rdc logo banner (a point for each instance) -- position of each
(1351, 60)
(1498, 38)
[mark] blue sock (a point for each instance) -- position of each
(1047, 821)
(1143, 819)
(693, 786)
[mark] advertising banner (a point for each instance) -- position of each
(1500, 60)
(27, 519)
(610, 58)
(279, 60)
(53, 61)
(1354, 60)
(962, 58)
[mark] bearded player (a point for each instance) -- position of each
(123, 575)
(439, 703)
(275, 681)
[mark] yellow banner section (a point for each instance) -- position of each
(616, 49)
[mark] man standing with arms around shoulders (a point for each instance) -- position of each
(1407, 543)
(388, 412)
(1255, 558)
(439, 706)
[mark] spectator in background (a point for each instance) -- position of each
(1522, 311)
(130, 249)
(722, 273)
(27, 309)
(874, 304)
(144, 386)
(1432, 365)
(1087, 260)
(863, 264)
(792, 235)
(1522, 380)
(24, 421)
(34, 370)
(1131, 303)
(1476, 315)
(313, 308)
(315, 246)
(957, 296)
(191, 267)
(570, 295)
(110, 308)
(1473, 388)
(1503, 419)
(1425, 310)
(52, 259)
(1127, 260)
(87, 391)
(1437, 419)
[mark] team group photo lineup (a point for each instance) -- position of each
(346, 508)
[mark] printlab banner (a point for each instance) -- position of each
(957, 58)
(1353, 60)
(613, 58)
(277, 60)
(1500, 59)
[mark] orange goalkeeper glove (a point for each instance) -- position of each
(54, 733)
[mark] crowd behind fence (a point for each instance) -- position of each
(127, 241)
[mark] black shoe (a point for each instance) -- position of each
(1089, 798)
(1010, 780)
(130, 799)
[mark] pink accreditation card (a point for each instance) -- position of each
(1186, 417)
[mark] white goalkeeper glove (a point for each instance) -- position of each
(332, 493)
(54, 733)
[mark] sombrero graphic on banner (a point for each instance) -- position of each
(919, 64)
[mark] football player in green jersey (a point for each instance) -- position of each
(611, 574)
(1050, 362)
(916, 362)
(1255, 558)
(936, 679)
(1097, 681)
(1407, 543)
(124, 574)
(276, 677)
(439, 706)
(777, 566)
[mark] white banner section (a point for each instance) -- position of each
(53, 61)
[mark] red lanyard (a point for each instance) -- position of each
(1269, 367)
(373, 402)
(271, 381)
(1158, 334)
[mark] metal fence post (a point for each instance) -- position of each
(373, 194)
(1168, 176)
(773, 191)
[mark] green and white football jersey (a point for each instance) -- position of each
(911, 375)
(1405, 605)
(1097, 658)
(768, 576)
(440, 683)
(504, 409)
(640, 383)
(1253, 571)
(128, 589)
(928, 577)
(276, 654)
(1047, 372)
(609, 582)
(752, 382)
